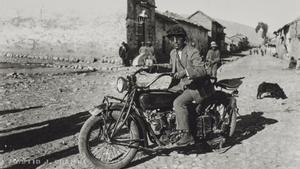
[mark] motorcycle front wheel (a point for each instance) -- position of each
(102, 151)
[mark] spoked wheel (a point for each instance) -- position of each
(105, 152)
(225, 116)
(226, 112)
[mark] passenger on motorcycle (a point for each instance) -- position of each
(190, 79)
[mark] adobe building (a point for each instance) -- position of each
(288, 40)
(216, 29)
(144, 24)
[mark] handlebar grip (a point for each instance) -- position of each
(213, 78)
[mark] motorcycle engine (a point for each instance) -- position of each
(160, 121)
(163, 124)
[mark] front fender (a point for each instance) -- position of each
(99, 110)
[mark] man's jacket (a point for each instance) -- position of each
(196, 80)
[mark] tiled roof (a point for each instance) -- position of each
(202, 13)
(297, 19)
(159, 14)
(178, 17)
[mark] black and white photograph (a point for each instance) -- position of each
(149, 84)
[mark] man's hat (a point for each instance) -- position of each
(213, 44)
(176, 30)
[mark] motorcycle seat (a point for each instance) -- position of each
(230, 84)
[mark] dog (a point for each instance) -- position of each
(271, 89)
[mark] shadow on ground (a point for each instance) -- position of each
(42, 132)
(247, 126)
(4, 112)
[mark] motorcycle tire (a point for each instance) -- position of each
(232, 122)
(231, 112)
(85, 146)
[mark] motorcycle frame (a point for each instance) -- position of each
(134, 113)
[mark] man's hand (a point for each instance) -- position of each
(151, 69)
(180, 75)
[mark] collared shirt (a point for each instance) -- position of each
(180, 54)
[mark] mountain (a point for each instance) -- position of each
(233, 28)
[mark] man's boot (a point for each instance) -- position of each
(186, 139)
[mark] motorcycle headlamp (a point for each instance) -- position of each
(122, 84)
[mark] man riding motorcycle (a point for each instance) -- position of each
(190, 79)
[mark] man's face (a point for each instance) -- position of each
(177, 41)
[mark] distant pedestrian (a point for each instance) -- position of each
(123, 53)
(150, 48)
(150, 56)
(293, 63)
(262, 52)
(213, 59)
(143, 48)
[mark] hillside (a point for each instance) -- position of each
(233, 28)
(64, 35)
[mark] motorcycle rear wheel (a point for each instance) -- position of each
(228, 109)
(102, 153)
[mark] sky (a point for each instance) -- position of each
(275, 13)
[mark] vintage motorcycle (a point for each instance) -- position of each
(144, 120)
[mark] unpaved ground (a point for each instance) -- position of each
(41, 116)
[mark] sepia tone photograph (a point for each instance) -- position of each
(149, 84)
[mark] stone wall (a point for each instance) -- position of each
(140, 29)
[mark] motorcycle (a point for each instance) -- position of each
(144, 120)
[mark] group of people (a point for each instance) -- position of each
(191, 74)
(146, 55)
(257, 51)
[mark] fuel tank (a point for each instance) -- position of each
(157, 100)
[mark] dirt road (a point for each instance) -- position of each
(41, 115)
